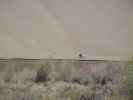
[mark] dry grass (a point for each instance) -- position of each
(57, 81)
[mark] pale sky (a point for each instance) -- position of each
(100, 29)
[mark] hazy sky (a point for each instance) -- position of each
(64, 28)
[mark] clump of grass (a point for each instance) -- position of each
(127, 82)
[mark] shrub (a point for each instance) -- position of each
(43, 73)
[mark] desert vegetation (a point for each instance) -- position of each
(127, 80)
(60, 81)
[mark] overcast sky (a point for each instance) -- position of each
(64, 28)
